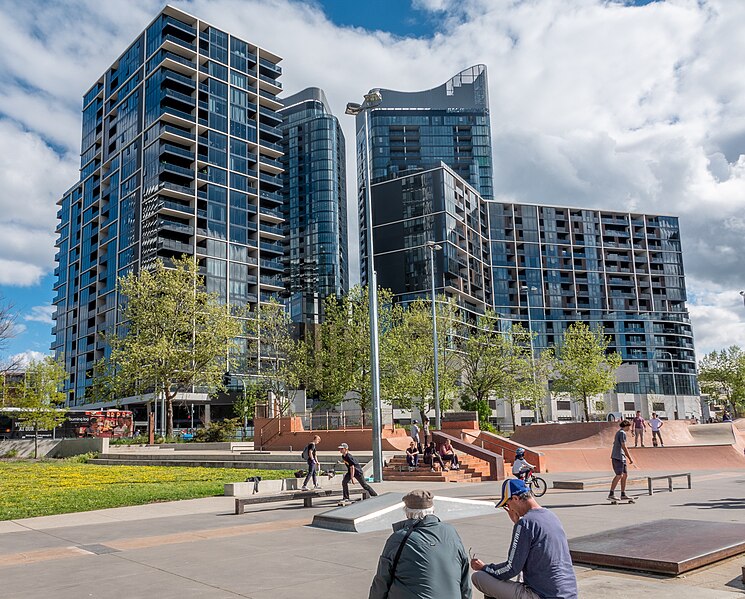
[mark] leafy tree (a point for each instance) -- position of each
(244, 406)
(721, 375)
(281, 358)
(176, 335)
(584, 366)
(341, 362)
(480, 360)
(39, 397)
(517, 386)
(408, 359)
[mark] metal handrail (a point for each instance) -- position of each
(495, 461)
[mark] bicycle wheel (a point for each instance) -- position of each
(539, 486)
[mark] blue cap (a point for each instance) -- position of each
(510, 488)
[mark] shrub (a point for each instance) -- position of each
(11, 453)
(223, 430)
(82, 458)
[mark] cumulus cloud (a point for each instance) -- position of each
(593, 103)
(23, 359)
(41, 314)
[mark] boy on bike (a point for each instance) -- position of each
(521, 466)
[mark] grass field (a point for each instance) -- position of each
(44, 488)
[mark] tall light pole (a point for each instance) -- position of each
(675, 386)
(432, 247)
(372, 99)
(528, 291)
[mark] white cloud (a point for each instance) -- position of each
(593, 103)
(21, 360)
(41, 314)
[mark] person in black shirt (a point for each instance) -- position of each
(313, 466)
(354, 471)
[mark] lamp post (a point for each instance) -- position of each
(372, 99)
(675, 386)
(432, 247)
(742, 294)
(528, 291)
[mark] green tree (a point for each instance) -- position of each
(281, 358)
(584, 366)
(39, 397)
(176, 335)
(408, 358)
(341, 361)
(721, 375)
(517, 386)
(8, 317)
(480, 359)
(244, 406)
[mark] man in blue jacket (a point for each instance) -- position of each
(539, 549)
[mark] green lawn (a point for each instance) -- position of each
(29, 488)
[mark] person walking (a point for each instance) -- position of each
(538, 548)
(425, 431)
(656, 424)
(424, 558)
(619, 455)
(313, 465)
(639, 426)
(354, 472)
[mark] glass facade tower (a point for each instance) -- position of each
(619, 271)
(315, 208)
(413, 131)
(180, 155)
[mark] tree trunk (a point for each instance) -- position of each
(169, 412)
(512, 412)
(36, 442)
(587, 408)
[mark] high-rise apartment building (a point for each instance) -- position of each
(547, 267)
(315, 207)
(412, 131)
(180, 155)
(619, 271)
(432, 206)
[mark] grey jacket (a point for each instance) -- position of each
(433, 564)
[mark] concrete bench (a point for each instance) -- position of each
(669, 478)
(306, 496)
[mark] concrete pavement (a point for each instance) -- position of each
(199, 549)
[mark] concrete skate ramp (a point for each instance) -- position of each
(647, 459)
(381, 512)
(601, 434)
(667, 546)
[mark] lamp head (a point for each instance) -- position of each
(353, 108)
(373, 98)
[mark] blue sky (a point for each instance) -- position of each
(620, 105)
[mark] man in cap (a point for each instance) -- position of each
(423, 558)
(539, 549)
(354, 471)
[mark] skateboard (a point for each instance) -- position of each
(619, 500)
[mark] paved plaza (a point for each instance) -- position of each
(200, 549)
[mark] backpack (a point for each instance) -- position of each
(306, 453)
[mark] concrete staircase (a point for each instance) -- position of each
(472, 470)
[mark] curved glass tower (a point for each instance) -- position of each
(415, 131)
(315, 207)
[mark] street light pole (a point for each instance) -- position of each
(372, 99)
(675, 386)
(528, 291)
(432, 247)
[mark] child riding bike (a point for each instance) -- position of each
(521, 468)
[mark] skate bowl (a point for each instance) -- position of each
(586, 446)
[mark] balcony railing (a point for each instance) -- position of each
(177, 40)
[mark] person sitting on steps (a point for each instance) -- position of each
(448, 455)
(432, 457)
(412, 456)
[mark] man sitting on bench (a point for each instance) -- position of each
(354, 471)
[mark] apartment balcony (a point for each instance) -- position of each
(173, 43)
(269, 99)
(174, 150)
(184, 29)
(170, 97)
(272, 163)
(179, 171)
(272, 247)
(179, 191)
(178, 208)
(271, 196)
(176, 116)
(273, 281)
(270, 180)
(272, 265)
(171, 245)
(272, 214)
(175, 227)
(270, 230)
(274, 133)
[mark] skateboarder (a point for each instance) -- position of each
(656, 424)
(619, 455)
(313, 465)
(354, 471)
